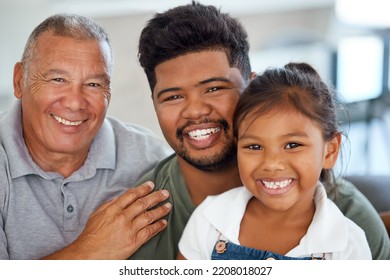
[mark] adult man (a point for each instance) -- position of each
(196, 61)
(61, 158)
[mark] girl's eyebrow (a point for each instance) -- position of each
(295, 134)
(288, 135)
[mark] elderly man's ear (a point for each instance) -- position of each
(18, 80)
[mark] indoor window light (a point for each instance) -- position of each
(368, 13)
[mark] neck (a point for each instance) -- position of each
(64, 164)
(201, 183)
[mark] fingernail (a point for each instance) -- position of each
(150, 184)
(168, 205)
(165, 193)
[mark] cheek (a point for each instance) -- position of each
(246, 166)
(167, 121)
(102, 104)
(36, 88)
(98, 103)
(35, 101)
(310, 164)
(229, 106)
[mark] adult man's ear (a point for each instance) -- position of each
(18, 80)
(252, 76)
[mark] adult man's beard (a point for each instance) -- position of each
(214, 162)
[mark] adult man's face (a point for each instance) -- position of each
(195, 97)
(64, 96)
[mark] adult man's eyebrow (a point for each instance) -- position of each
(161, 92)
(215, 79)
(54, 71)
(210, 80)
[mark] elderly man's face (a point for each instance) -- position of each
(65, 96)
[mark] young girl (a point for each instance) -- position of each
(287, 143)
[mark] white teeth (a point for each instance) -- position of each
(66, 122)
(202, 134)
(277, 185)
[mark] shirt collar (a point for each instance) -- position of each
(327, 221)
(101, 155)
(328, 224)
(226, 211)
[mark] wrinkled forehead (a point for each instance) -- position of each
(50, 44)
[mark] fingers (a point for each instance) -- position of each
(134, 193)
(130, 220)
(123, 200)
(135, 205)
(149, 217)
(150, 224)
(141, 205)
(137, 200)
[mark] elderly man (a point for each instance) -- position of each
(66, 168)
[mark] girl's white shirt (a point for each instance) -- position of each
(330, 234)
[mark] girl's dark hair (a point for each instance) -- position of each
(296, 85)
(192, 28)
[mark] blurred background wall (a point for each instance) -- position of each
(350, 50)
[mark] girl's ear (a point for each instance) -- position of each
(332, 149)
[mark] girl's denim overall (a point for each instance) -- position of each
(237, 252)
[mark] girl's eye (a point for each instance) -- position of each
(254, 147)
(292, 145)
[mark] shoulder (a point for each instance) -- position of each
(349, 242)
(4, 178)
(355, 206)
(135, 138)
(223, 199)
(357, 247)
(122, 129)
(162, 172)
(233, 202)
(348, 198)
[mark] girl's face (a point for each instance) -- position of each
(280, 157)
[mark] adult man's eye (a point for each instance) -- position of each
(213, 89)
(58, 80)
(172, 97)
(93, 84)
